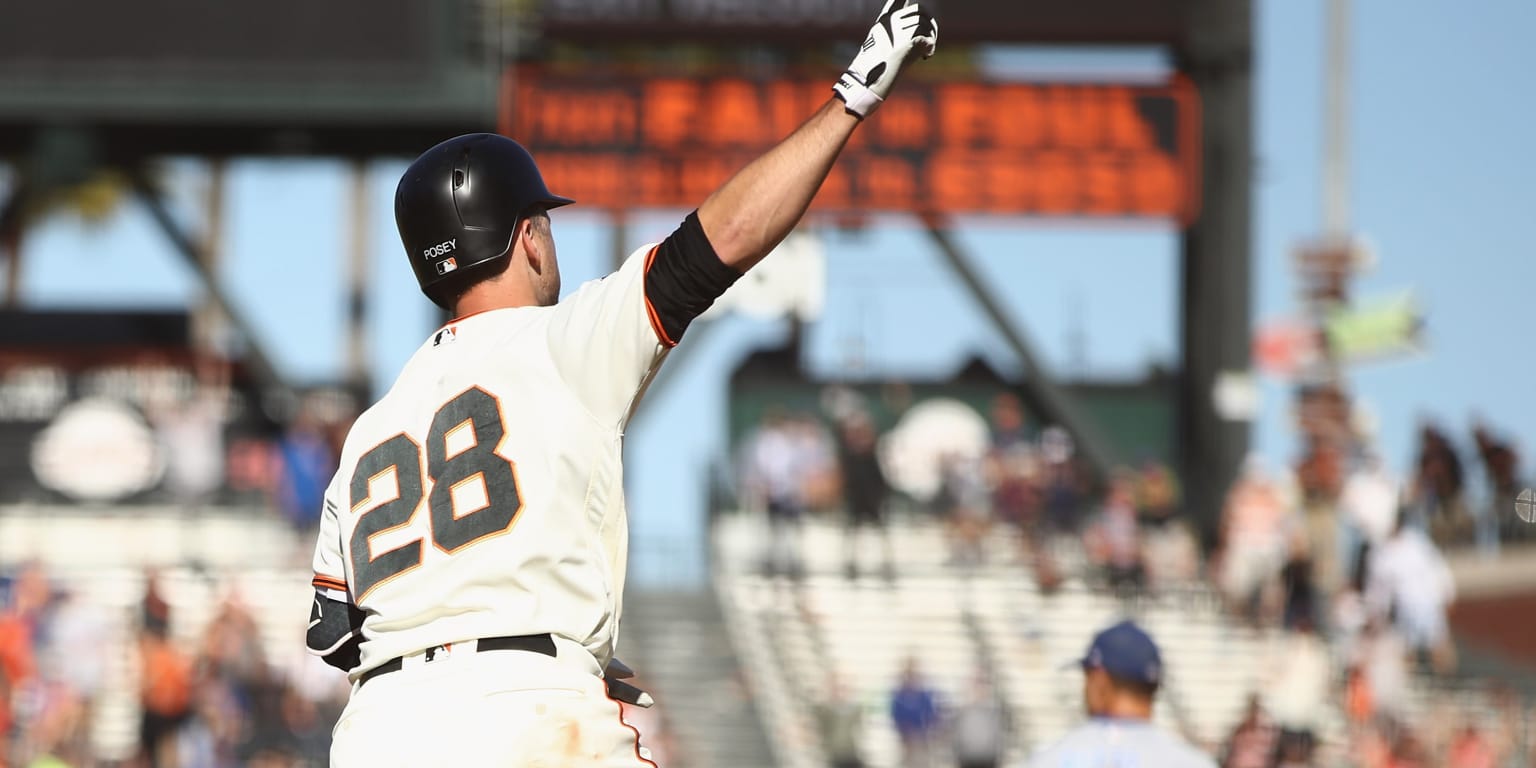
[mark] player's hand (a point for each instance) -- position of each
(899, 31)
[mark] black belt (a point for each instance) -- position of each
(536, 643)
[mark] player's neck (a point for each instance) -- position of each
(495, 294)
(1127, 707)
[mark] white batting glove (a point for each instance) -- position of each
(899, 31)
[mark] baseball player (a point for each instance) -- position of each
(1121, 673)
(471, 555)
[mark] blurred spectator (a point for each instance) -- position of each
(1010, 428)
(979, 728)
(1369, 505)
(212, 736)
(74, 666)
(271, 735)
(1359, 702)
(816, 457)
(915, 713)
(1122, 672)
(1408, 750)
(1254, 741)
(1295, 753)
(1064, 483)
(165, 695)
(19, 634)
(1015, 478)
(1298, 586)
(1438, 488)
(1501, 467)
(1381, 658)
(307, 464)
(19, 625)
(1321, 477)
(1253, 549)
(778, 459)
(1411, 583)
(310, 727)
(864, 492)
(191, 432)
(1012, 468)
(1171, 552)
(842, 727)
(1157, 495)
(1471, 749)
(1114, 541)
(964, 505)
(1370, 746)
(154, 611)
(1298, 685)
(231, 651)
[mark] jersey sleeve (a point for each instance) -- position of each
(609, 337)
(329, 563)
(335, 631)
(606, 341)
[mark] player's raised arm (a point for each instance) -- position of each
(753, 211)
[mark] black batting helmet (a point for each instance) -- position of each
(459, 205)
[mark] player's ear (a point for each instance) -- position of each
(527, 236)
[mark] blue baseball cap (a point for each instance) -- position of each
(1127, 652)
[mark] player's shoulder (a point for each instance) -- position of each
(1070, 743)
(1089, 741)
(600, 296)
(370, 428)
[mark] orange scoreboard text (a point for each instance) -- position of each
(949, 147)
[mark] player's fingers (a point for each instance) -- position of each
(889, 6)
(927, 26)
(931, 38)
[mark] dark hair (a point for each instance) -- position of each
(448, 292)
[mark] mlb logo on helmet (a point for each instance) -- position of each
(447, 265)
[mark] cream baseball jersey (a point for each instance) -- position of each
(482, 496)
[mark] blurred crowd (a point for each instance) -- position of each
(974, 732)
(217, 702)
(1025, 484)
(1344, 560)
(215, 454)
(1348, 561)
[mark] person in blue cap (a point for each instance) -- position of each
(1121, 674)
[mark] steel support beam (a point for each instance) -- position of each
(1216, 324)
(1039, 386)
(11, 227)
(266, 373)
(360, 248)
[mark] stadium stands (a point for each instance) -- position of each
(956, 622)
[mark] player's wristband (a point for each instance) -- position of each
(857, 98)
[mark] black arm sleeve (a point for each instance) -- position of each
(335, 632)
(683, 278)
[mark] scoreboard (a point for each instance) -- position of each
(1078, 150)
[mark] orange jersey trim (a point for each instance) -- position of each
(625, 723)
(462, 318)
(328, 582)
(650, 311)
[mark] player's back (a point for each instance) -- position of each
(1112, 743)
(485, 499)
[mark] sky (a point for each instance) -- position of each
(1442, 164)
